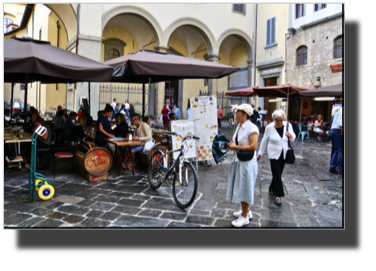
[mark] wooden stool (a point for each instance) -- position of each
(64, 155)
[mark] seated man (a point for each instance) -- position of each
(143, 133)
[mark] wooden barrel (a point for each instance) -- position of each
(93, 161)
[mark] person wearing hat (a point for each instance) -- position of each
(243, 170)
(319, 123)
(276, 138)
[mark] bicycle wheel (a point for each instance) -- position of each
(155, 169)
(185, 192)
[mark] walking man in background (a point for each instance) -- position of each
(176, 111)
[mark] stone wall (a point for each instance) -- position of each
(319, 55)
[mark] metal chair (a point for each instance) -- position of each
(303, 133)
(64, 155)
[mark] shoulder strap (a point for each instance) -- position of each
(288, 139)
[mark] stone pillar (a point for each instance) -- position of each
(159, 90)
(212, 83)
(250, 65)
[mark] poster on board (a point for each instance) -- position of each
(204, 113)
(183, 128)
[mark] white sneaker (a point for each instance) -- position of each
(240, 222)
(239, 213)
(17, 159)
(7, 159)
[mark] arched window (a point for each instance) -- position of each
(6, 23)
(337, 49)
(113, 53)
(301, 56)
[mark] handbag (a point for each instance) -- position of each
(243, 155)
(290, 156)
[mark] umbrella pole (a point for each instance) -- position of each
(143, 96)
(88, 102)
(301, 105)
(287, 107)
(25, 98)
(11, 99)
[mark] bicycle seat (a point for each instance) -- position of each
(165, 143)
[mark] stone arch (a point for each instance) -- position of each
(68, 18)
(141, 13)
(198, 26)
(242, 36)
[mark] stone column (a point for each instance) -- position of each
(212, 83)
(250, 65)
(159, 90)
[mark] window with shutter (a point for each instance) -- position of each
(267, 32)
(320, 6)
(273, 31)
(240, 8)
(337, 50)
(300, 11)
(301, 56)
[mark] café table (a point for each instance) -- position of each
(128, 159)
(8, 140)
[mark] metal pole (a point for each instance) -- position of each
(287, 107)
(39, 96)
(25, 98)
(36, 96)
(143, 96)
(301, 105)
(88, 101)
(11, 99)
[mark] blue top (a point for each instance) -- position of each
(176, 112)
(99, 136)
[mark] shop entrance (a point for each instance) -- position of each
(172, 92)
(270, 106)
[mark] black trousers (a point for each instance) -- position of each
(277, 169)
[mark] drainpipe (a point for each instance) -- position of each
(255, 53)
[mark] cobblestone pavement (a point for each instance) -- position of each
(313, 197)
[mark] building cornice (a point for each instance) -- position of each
(270, 63)
(321, 20)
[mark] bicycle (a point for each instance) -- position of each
(185, 188)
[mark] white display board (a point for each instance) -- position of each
(204, 113)
(183, 128)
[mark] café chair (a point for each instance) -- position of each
(64, 155)
(303, 133)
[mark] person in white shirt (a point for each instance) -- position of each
(243, 174)
(126, 106)
(336, 134)
(276, 138)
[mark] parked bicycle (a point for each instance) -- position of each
(179, 172)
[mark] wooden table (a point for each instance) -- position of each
(18, 141)
(128, 158)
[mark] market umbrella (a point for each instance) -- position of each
(27, 60)
(150, 66)
(331, 91)
(284, 91)
(241, 92)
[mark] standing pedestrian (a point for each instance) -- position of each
(276, 138)
(165, 112)
(176, 111)
(131, 112)
(189, 109)
(126, 106)
(334, 111)
(243, 169)
(220, 112)
(104, 126)
(336, 133)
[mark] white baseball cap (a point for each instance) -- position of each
(246, 108)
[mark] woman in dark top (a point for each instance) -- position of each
(131, 112)
(104, 126)
(78, 131)
(121, 130)
(89, 121)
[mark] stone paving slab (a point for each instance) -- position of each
(313, 197)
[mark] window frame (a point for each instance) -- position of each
(113, 49)
(303, 54)
(322, 6)
(237, 11)
(303, 11)
(335, 47)
(269, 32)
(7, 22)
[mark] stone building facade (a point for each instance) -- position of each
(319, 40)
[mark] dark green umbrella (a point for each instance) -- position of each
(219, 147)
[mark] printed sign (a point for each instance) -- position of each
(183, 128)
(168, 101)
(204, 113)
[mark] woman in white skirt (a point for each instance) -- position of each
(243, 174)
